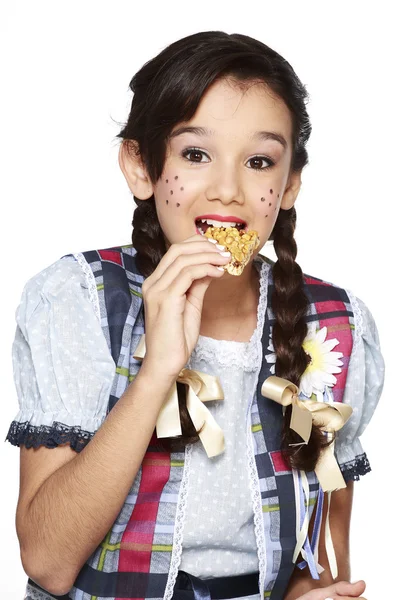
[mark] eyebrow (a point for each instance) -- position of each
(203, 131)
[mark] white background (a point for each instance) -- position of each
(65, 70)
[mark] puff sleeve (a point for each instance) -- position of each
(63, 370)
(365, 380)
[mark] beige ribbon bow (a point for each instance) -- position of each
(201, 388)
(329, 416)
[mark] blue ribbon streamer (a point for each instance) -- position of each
(309, 549)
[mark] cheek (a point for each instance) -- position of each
(268, 202)
(171, 191)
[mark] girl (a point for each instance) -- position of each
(156, 458)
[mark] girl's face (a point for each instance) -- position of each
(231, 160)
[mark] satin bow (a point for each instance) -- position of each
(329, 416)
(201, 388)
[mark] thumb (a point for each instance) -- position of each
(344, 588)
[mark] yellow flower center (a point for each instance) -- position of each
(312, 348)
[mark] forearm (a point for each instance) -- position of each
(340, 513)
(76, 506)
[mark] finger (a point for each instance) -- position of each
(193, 245)
(186, 277)
(338, 597)
(351, 589)
(346, 589)
(195, 237)
(185, 262)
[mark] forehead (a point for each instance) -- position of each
(232, 109)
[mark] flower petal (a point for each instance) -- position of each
(332, 369)
(321, 335)
(328, 345)
(333, 356)
(306, 385)
(329, 379)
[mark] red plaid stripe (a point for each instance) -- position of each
(136, 544)
(278, 462)
(111, 255)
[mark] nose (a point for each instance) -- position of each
(225, 185)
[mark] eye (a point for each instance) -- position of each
(194, 155)
(257, 163)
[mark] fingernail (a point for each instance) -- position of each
(212, 241)
(225, 253)
(220, 247)
(220, 268)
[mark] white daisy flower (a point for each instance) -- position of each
(319, 373)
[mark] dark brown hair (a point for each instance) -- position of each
(167, 90)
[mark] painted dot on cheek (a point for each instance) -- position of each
(262, 199)
(171, 192)
(270, 204)
(167, 181)
(271, 191)
(176, 177)
(182, 189)
(178, 204)
(167, 201)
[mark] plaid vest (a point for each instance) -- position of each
(138, 558)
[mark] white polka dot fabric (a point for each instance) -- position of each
(63, 370)
(363, 388)
(218, 537)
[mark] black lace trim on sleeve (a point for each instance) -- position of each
(48, 436)
(353, 469)
(40, 592)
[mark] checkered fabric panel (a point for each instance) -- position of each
(329, 306)
(134, 557)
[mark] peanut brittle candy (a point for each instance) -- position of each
(241, 244)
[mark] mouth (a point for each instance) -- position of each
(202, 225)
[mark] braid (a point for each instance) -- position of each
(148, 241)
(147, 237)
(290, 305)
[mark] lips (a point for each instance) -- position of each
(203, 222)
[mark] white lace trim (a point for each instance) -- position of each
(91, 283)
(179, 526)
(255, 491)
(254, 482)
(358, 318)
(244, 355)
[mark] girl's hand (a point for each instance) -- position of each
(343, 590)
(173, 300)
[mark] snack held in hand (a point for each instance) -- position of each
(240, 243)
